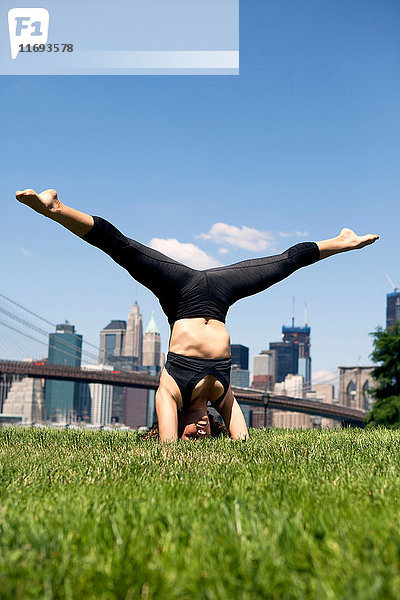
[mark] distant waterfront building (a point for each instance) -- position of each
(136, 403)
(325, 392)
(392, 308)
(286, 359)
(133, 345)
(112, 340)
(96, 398)
(264, 370)
(152, 345)
(240, 356)
(240, 377)
(62, 397)
(293, 386)
(121, 363)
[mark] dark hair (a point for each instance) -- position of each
(216, 428)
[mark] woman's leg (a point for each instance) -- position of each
(159, 273)
(48, 204)
(249, 277)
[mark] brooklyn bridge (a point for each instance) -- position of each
(246, 396)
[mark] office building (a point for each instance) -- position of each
(62, 397)
(133, 344)
(293, 386)
(264, 370)
(121, 363)
(240, 377)
(96, 399)
(300, 336)
(325, 392)
(136, 403)
(112, 339)
(392, 308)
(240, 356)
(286, 359)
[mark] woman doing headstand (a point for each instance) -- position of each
(196, 303)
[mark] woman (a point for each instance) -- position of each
(196, 303)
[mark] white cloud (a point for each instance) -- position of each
(25, 252)
(223, 251)
(240, 237)
(285, 234)
(189, 254)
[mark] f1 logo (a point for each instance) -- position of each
(27, 26)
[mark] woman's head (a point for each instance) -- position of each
(193, 424)
(190, 425)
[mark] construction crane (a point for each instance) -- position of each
(395, 287)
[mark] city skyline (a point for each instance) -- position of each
(121, 326)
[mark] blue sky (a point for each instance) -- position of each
(302, 143)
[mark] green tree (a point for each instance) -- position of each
(386, 352)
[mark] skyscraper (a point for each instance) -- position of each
(240, 377)
(392, 307)
(240, 374)
(264, 370)
(61, 397)
(300, 336)
(151, 345)
(133, 345)
(240, 356)
(286, 359)
(96, 398)
(112, 340)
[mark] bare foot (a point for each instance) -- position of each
(351, 241)
(346, 240)
(45, 203)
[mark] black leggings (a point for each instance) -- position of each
(184, 292)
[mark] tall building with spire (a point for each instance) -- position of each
(151, 344)
(133, 345)
(300, 337)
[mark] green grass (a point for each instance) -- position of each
(288, 514)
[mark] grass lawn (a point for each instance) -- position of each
(288, 514)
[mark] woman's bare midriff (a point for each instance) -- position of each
(206, 338)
